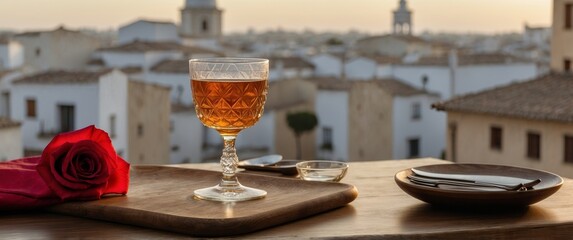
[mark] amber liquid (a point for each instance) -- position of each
(229, 106)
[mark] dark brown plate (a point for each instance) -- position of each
(550, 183)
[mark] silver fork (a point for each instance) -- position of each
(436, 182)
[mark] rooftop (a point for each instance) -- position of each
(145, 46)
(545, 98)
(394, 87)
(470, 59)
(37, 33)
(61, 76)
(290, 62)
(172, 66)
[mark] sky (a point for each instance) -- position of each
(372, 16)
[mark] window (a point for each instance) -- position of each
(533, 145)
(31, 108)
(326, 138)
(38, 52)
(567, 65)
(67, 118)
(495, 138)
(413, 147)
(140, 130)
(568, 15)
(416, 111)
(424, 81)
(112, 128)
(205, 26)
(568, 147)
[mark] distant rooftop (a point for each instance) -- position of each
(546, 98)
(394, 87)
(290, 62)
(470, 59)
(37, 33)
(172, 66)
(4, 40)
(400, 88)
(178, 108)
(384, 59)
(7, 123)
(60, 76)
(409, 39)
(145, 46)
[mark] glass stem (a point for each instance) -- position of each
(229, 161)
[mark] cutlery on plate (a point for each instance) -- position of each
(469, 183)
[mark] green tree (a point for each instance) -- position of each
(301, 122)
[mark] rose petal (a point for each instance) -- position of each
(115, 169)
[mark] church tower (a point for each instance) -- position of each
(201, 23)
(402, 20)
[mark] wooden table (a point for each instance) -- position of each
(381, 211)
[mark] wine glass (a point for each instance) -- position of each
(229, 96)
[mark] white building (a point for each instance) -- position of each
(51, 102)
(456, 75)
(149, 31)
(370, 67)
(11, 54)
(175, 75)
(376, 119)
(145, 55)
(327, 65)
(289, 67)
(57, 49)
(10, 140)
(6, 78)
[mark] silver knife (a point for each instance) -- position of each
(476, 178)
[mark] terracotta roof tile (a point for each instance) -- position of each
(60, 76)
(549, 97)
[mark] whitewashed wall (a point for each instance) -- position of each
(480, 77)
(5, 89)
(361, 68)
(326, 65)
(11, 55)
(261, 135)
(146, 31)
(11, 143)
(84, 97)
(438, 77)
(175, 81)
(430, 128)
(187, 137)
(469, 78)
(332, 111)
(112, 100)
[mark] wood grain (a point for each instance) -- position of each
(161, 197)
(382, 211)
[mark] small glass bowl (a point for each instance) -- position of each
(325, 171)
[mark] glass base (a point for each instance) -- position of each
(229, 194)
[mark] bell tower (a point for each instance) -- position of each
(201, 22)
(402, 23)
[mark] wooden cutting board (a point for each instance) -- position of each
(161, 197)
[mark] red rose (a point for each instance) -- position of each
(83, 165)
